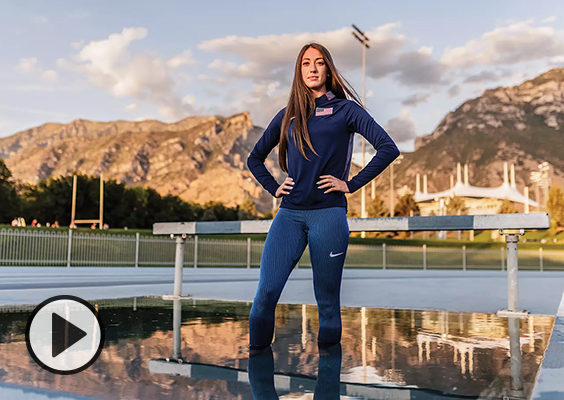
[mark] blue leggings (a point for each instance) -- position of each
(326, 231)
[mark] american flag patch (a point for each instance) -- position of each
(323, 111)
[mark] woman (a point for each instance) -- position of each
(315, 135)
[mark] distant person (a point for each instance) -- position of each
(106, 226)
(315, 135)
(93, 226)
(34, 223)
(21, 221)
(55, 224)
(15, 222)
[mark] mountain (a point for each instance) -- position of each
(523, 125)
(204, 158)
(197, 158)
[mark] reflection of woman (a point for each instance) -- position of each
(315, 132)
(327, 386)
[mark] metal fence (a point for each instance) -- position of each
(26, 247)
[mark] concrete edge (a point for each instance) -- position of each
(549, 383)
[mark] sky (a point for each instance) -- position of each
(168, 60)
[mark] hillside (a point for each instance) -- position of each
(198, 158)
(523, 125)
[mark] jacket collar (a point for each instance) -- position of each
(321, 100)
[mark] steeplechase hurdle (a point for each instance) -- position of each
(511, 226)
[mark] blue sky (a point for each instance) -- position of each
(132, 60)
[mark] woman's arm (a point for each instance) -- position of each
(360, 121)
(269, 139)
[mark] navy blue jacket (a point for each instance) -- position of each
(331, 131)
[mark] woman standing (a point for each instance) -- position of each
(315, 135)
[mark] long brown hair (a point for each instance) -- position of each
(301, 103)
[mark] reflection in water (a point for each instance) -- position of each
(454, 354)
(517, 391)
(327, 386)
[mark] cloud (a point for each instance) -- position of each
(28, 66)
(273, 57)
(50, 76)
(419, 68)
(402, 127)
(263, 102)
(184, 58)
(109, 64)
(488, 76)
(557, 62)
(454, 91)
(507, 45)
(132, 106)
(78, 45)
(415, 99)
(189, 99)
(550, 19)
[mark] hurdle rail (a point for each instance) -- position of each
(511, 226)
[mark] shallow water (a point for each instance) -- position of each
(384, 354)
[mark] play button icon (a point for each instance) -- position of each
(64, 335)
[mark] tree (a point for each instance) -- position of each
(10, 202)
(506, 207)
(216, 211)
(406, 204)
(455, 205)
(555, 206)
(247, 210)
(376, 208)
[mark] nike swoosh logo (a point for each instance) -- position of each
(335, 255)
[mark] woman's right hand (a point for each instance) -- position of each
(285, 187)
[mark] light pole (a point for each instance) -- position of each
(363, 39)
(396, 161)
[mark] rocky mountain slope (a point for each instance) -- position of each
(523, 125)
(204, 158)
(198, 158)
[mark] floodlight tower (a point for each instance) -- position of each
(363, 39)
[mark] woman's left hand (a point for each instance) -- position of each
(334, 184)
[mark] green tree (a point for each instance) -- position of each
(455, 205)
(217, 211)
(247, 210)
(134, 207)
(10, 202)
(506, 207)
(377, 208)
(405, 204)
(555, 206)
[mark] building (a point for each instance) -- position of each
(478, 200)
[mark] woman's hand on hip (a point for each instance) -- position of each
(285, 187)
(333, 184)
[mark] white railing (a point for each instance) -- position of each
(27, 247)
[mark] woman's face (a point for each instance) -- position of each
(314, 69)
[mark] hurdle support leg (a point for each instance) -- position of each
(512, 238)
(178, 268)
